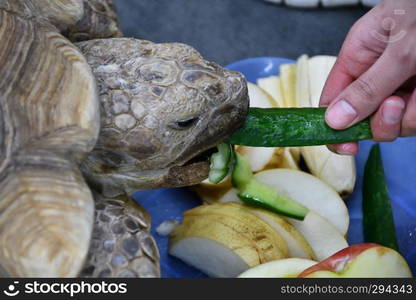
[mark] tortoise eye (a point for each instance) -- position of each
(184, 124)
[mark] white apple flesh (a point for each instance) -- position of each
(333, 3)
(302, 3)
(318, 70)
(223, 240)
(307, 190)
(362, 260)
(273, 86)
(283, 268)
(303, 94)
(322, 236)
(210, 192)
(259, 97)
(261, 158)
(211, 257)
(288, 80)
(289, 158)
(296, 243)
(336, 170)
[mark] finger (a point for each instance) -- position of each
(345, 148)
(359, 51)
(386, 122)
(338, 79)
(409, 118)
(363, 97)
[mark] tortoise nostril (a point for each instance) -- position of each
(236, 82)
(214, 89)
(80, 37)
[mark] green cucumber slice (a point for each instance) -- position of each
(378, 221)
(220, 163)
(242, 173)
(290, 127)
(256, 193)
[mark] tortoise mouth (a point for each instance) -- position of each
(189, 174)
(201, 157)
(193, 171)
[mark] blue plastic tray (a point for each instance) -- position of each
(400, 167)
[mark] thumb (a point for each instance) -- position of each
(364, 95)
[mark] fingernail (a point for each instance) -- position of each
(346, 149)
(393, 111)
(341, 115)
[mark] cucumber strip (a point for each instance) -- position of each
(265, 196)
(290, 127)
(256, 193)
(242, 173)
(220, 163)
(378, 221)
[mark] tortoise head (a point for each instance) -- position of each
(162, 106)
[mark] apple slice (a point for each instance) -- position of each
(295, 151)
(289, 159)
(296, 243)
(259, 97)
(261, 158)
(322, 236)
(223, 240)
(311, 192)
(318, 70)
(302, 82)
(239, 217)
(210, 256)
(333, 3)
(307, 190)
(302, 3)
(273, 86)
(362, 260)
(288, 79)
(283, 268)
(209, 192)
(338, 171)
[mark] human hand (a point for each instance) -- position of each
(375, 74)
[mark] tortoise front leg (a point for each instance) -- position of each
(121, 244)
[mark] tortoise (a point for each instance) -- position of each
(87, 117)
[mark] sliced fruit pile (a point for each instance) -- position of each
(302, 84)
(236, 240)
(303, 231)
(224, 240)
(298, 85)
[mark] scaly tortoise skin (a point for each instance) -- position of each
(99, 21)
(96, 121)
(121, 245)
